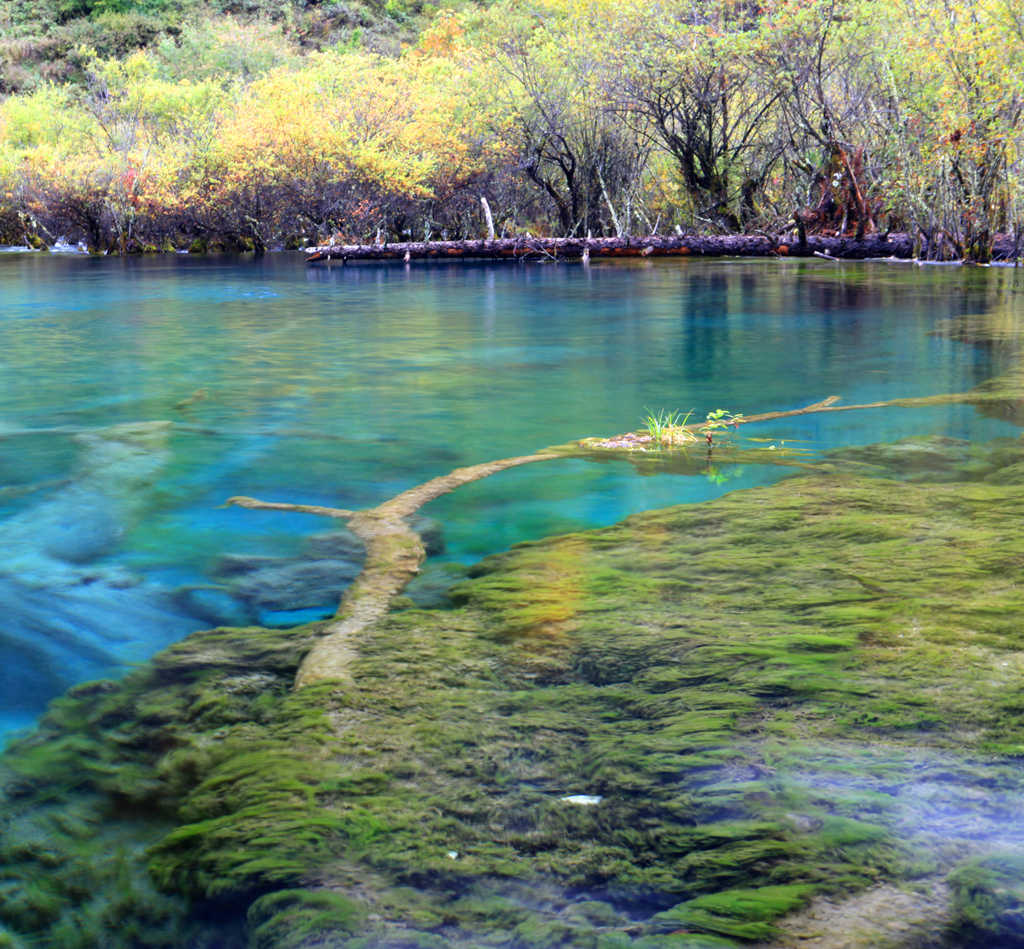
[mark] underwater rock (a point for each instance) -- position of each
(430, 589)
(107, 494)
(927, 458)
(63, 617)
(292, 585)
(935, 458)
(213, 605)
(334, 545)
(431, 533)
(1002, 397)
(233, 565)
(312, 580)
(914, 915)
(315, 579)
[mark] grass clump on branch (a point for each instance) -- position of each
(673, 429)
(669, 428)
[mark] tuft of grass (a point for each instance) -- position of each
(668, 428)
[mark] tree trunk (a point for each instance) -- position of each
(527, 248)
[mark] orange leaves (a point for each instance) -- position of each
(444, 37)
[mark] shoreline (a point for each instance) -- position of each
(890, 248)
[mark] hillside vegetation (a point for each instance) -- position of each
(135, 125)
(56, 41)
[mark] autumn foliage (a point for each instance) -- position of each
(832, 116)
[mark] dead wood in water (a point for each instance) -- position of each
(575, 248)
(395, 552)
(797, 244)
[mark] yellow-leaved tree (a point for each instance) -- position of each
(353, 142)
(113, 162)
(960, 120)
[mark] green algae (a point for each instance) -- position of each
(288, 918)
(988, 901)
(744, 685)
(745, 913)
(116, 767)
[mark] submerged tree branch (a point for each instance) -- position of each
(242, 501)
(395, 552)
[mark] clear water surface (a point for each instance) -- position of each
(345, 385)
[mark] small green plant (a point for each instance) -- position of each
(668, 428)
(720, 420)
(657, 423)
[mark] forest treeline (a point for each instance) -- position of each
(607, 117)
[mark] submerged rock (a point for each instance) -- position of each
(927, 458)
(310, 584)
(214, 606)
(65, 617)
(313, 580)
(290, 585)
(936, 458)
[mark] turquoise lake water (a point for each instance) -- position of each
(138, 395)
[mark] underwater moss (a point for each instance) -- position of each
(293, 918)
(671, 732)
(988, 901)
(745, 913)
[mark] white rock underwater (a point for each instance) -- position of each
(65, 614)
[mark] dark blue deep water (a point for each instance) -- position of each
(138, 395)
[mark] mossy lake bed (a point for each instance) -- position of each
(785, 713)
(741, 722)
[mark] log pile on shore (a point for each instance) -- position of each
(900, 246)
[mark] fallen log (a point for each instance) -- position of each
(574, 248)
(890, 246)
